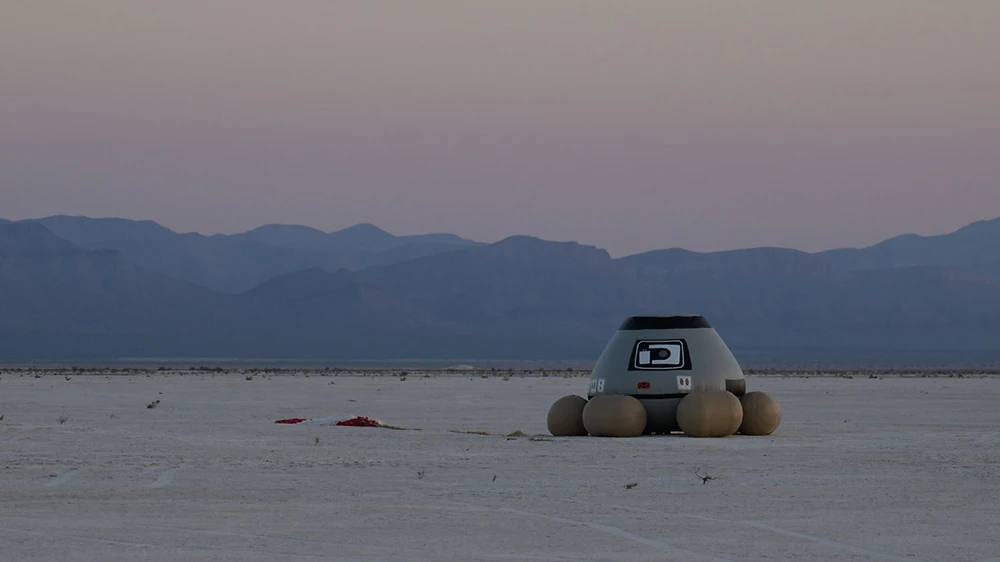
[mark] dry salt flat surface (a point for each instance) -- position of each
(861, 469)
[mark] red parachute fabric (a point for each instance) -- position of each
(356, 421)
(360, 421)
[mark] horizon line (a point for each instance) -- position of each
(372, 224)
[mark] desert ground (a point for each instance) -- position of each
(888, 468)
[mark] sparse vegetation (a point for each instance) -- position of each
(420, 474)
(631, 485)
(929, 371)
(704, 478)
(63, 418)
(153, 404)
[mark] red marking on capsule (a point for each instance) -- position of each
(642, 386)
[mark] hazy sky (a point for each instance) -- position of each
(629, 125)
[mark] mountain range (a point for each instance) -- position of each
(90, 289)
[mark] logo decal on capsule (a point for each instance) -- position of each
(659, 355)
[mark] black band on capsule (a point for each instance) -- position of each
(737, 386)
(658, 396)
(664, 323)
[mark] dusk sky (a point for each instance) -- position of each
(628, 125)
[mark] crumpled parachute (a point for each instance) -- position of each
(352, 421)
